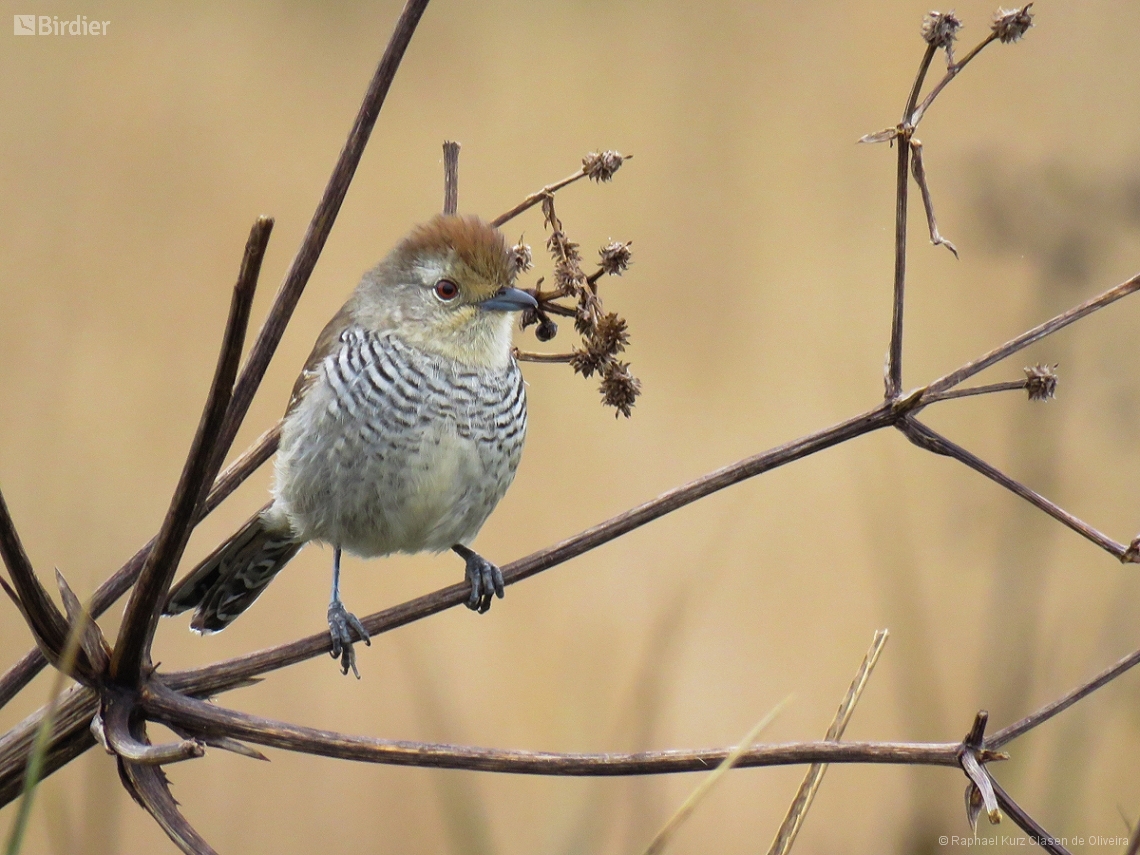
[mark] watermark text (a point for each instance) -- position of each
(53, 25)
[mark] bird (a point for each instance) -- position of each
(403, 431)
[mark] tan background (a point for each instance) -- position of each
(133, 166)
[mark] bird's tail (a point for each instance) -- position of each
(227, 582)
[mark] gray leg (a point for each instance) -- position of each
(485, 579)
(341, 620)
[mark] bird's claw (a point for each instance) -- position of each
(341, 621)
(486, 579)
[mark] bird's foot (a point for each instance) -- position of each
(485, 578)
(342, 623)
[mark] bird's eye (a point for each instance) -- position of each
(446, 290)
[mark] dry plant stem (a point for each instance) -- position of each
(794, 819)
(951, 72)
(1040, 716)
(531, 356)
(132, 650)
(22, 673)
(1027, 338)
(534, 198)
(1007, 386)
(450, 177)
(211, 720)
(931, 440)
(152, 789)
(48, 625)
(317, 233)
(662, 838)
(117, 708)
(894, 351)
(1024, 821)
(928, 203)
(71, 736)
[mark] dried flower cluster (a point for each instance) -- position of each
(521, 257)
(601, 165)
(604, 335)
(939, 29)
(615, 257)
(1041, 382)
(1009, 25)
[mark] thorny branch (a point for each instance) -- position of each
(116, 691)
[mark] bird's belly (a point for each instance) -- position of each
(364, 480)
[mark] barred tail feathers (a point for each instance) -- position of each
(227, 582)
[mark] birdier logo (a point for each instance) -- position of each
(51, 25)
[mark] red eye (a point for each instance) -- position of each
(446, 290)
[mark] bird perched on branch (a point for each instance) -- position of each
(403, 432)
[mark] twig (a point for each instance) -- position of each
(927, 202)
(153, 790)
(1006, 386)
(1023, 341)
(893, 380)
(951, 72)
(1028, 824)
(450, 177)
(132, 649)
(790, 827)
(531, 356)
(1042, 715)
(43, 616)
(662, 838)
(209, 719)
(534, 198)
(925, 437)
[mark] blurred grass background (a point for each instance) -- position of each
(759, 304)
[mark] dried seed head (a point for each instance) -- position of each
(1011, 24)
(521, 257)
(601, 165)
(568, 276)
(547, 329)
(612, 335)
(1041, 382)
(588, 360)
(615, 257)
(619, 388)
(588, 313)
(939, 29)
(562, 248)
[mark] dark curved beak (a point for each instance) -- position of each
(509, 300)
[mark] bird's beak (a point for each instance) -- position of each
(509, 300)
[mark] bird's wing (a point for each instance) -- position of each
(326, 343)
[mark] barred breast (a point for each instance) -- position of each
(393, 449)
